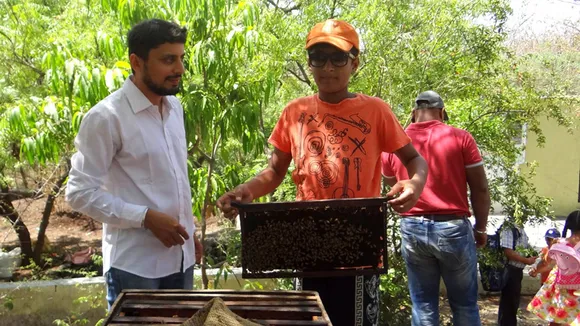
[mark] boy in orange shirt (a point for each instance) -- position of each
(335, 139)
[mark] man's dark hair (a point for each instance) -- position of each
(150, 34)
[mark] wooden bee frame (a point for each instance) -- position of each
(320, 238)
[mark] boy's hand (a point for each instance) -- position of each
(409, 192)
(240, 193)
(533, 272)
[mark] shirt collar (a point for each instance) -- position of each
(137, 100)
(424, 125)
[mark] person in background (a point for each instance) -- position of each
(558, 300)
(438, 239)
(551, 237)
(509, 302)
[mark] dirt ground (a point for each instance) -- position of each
(488, 306)
(67, 231)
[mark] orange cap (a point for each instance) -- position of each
(335, 32)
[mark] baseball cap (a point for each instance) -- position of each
(334, 32)
(552, 233)
(433, 100)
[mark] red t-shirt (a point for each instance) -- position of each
(337, 148)
(449, 151)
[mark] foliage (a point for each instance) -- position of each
(246, 60)
(395, 307)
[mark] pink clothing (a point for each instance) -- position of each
(449, 151)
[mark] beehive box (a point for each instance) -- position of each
(313, 238)
(174, 307)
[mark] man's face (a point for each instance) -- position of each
(162, 70)
(331, 67)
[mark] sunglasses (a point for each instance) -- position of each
(338, 59)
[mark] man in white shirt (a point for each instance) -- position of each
(130, 169)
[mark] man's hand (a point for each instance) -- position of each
(409, 192)
(198, 249)
(241, 194)
(480, 239)
(165, 228)
(530, 260)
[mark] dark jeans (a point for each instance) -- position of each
(118, 280)
(509, 301)
(348, 301)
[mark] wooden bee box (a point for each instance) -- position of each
(174, 307)
(313, 238)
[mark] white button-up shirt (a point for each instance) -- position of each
(130, 159)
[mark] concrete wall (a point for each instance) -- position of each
(558, 172)
(39, 303)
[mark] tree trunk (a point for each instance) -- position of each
(46, 217)
(7, 210)
(206, 204)
(204, 278)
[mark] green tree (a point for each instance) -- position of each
(67, 76)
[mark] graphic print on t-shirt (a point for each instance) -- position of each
(336, 148)
(328, 149)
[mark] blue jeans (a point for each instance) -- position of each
(441, 249)
(119, 280)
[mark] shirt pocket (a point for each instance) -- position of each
(135, 156)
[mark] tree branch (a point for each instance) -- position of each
(303, 77)
(332, 12)
(297, 76)
(490, 113)
(17, 194)
(21, 59)
(284, 10)
(204, 154)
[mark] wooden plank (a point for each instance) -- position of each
(269, 322)
(125, 324)
(227, 302)
(179, 320)
(115, 308)
(305, 204)
(273, 322)
(327, 273)
(252, 292)
(324, 314)
(149, 320)
(209, 296)
(305, 310)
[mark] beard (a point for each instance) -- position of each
(159, 89)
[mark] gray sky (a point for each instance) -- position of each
(539, 17)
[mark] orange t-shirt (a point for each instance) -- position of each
(337, 148)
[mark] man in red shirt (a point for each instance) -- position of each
(438, 240)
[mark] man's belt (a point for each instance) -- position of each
(437, 218)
